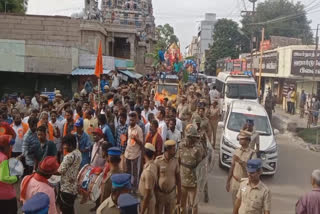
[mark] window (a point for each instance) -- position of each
(170, 89)
(241, 91)
(261, 123)
(220, 86)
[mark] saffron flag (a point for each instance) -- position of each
(99, 66)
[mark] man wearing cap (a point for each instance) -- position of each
(134, 148)
(214, 117)
(189, 155)
(38, 182)
(113, 159)
(239, 162)
(128, 204)
(121, 184)
(84, 142)
(148, 180)
(253, 195)
(97, 159)
(68, 170)
(169, 179)
(58, 101)
(8, 200)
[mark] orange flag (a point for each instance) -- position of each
(99, 65)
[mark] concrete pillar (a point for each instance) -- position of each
(132, 49)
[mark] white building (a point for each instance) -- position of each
(205, 35)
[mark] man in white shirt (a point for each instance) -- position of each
(146, 109)
(115, 80)
(35, 101)
(214, 94)
(57, 130)
(147, 126)
(173, 133)
(20, 129)
(178, 121)
(153, 108)
(163, 129)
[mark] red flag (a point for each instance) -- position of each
(99, 65)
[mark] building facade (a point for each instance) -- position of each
(288, 67)
(205, 36)
(47, 49)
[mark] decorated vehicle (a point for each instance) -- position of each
(167, 87)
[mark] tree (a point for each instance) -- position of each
(280, 18)
(13, 6)
(165, 37)
(227, 42)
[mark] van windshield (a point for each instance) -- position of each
(261, 123)
(241, 91)
(168, 89)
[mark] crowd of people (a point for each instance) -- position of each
(143, 149)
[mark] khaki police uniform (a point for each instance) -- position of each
(106, 185)
(189, 158)
(239, 171)
(148, 181)
(166, 190)
(254, 200)
(108, 207)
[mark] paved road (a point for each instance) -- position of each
(289, 183)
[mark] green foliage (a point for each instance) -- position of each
(12, 6)
(295, 25)
(227, 42)
(165, 37)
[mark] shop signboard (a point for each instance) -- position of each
(303, 63)
(269, 62)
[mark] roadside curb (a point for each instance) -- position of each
(289, 128)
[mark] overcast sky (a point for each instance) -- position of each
(183, 15)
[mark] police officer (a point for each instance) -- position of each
(121, 184)
(253, 197)
(169, 180)
(128, 204)
(183, 111)
(113, 159)
(190, 156)
(239, 163)
(148, 180)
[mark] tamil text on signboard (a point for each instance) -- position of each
(269, 62)
(303, 62)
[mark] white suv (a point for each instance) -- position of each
(236, 116)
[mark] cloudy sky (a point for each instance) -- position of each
(183, 15)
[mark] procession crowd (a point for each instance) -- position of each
(145, 152)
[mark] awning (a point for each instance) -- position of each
(131, 74)
(86, 72)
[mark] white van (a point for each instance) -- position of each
(237, 114)
(234, 86)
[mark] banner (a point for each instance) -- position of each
(303, 63)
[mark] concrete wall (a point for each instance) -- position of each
(12, 55)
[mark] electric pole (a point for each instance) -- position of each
(252, 33)
(315, 57)
(261, 59)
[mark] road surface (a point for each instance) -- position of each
(287, 185)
